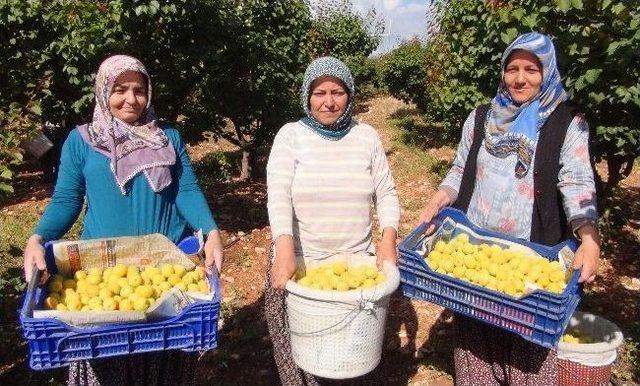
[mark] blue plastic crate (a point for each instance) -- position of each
(539, 317)
(53, 343)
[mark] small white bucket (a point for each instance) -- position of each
(590, 363)
(339, 335)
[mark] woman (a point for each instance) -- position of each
(324, 171)
(137, 179)
(522, 168)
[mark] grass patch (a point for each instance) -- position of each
(217, 167)
(245, 261)
(417, 131)
(413, 136)
(15, 229)
(630, 361)
(16, 225)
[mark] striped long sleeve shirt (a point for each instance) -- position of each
(321, 191)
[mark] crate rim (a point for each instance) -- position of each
(557, 298)
(457, 215)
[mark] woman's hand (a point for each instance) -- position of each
(284, 265)
(588, 253)
(387, 249)
(213, 251)
(437, 202)
(34, 254)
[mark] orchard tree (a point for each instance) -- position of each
(254, 80)
(339, 31)
(598, 46)
(405, 72)
(211, 62)
(51, 50)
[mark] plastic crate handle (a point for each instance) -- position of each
(130, 334)
(459, 217)
(414, 237)
(214, 279)
(29, 297)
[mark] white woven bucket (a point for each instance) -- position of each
(335, 334)
(606, 335)
(589, 364)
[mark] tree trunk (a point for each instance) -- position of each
(246, 165)
(599, 184)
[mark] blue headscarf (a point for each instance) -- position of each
(328, 66)
(512, 128)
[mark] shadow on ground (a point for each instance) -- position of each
(417, 131)
(244, 340)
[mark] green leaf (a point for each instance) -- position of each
(36, 108)
(563, 5)
(6, 174)
(154, 6)
(518, 13)
(139, 10)
(597, 97)
(530, 20)
(577, 4)
(6, 188)
(592, 75)
(503, 14)
(611, 49)
(509, 35)
(618, 8)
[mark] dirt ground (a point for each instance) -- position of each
(417, 348)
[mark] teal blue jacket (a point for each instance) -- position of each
(176, 211)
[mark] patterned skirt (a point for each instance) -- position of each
(163, 368)
(276, 314)
(485, 355)
(290, 374)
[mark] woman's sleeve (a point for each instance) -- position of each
(68, 195)
(189, 200)
(575, 179)
(280, 171)
(451, 183)
(386, 197)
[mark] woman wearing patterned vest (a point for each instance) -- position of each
(522, 168)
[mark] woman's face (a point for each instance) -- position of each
(522, 76)
(128, 97)
(328, 99)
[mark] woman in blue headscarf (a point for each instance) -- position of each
(522, 168)
(323, 174)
